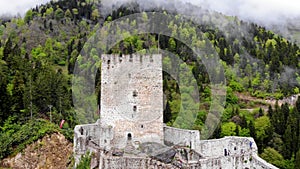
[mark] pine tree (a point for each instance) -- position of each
(278, 120)
(297, 160)
(290, 135)
(287, 138)
(298, 104)
(260, 112)
(285, 112)
(270, 112)
(237, 130)
(252, 129)
(243, 122)
(167, 113)
(7, 48)
(51, 26)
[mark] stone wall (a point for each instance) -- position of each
(89, 137)
(84, 133)
(132, 113)
(175, 136)
(132, 98)
(245, 161)
(132, 163)
(227, 146)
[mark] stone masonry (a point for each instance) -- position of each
(130, 132)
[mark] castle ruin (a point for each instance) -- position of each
(130, 132)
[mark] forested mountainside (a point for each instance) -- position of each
(38, 55)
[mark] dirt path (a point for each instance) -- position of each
(290, 100)
(247, 98)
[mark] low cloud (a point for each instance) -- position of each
(267, 12)
(18, 7)
(279, 15)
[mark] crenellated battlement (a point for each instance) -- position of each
(114, 60)
(131, 132)
(132, 97)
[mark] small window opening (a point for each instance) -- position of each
(129, 137)
(120, 58)
(134, 108)
(130, 58)
(105, 141)
(142, 126)
(151, 59)
(134, 94)
(81, 130)
(141, 58)
(108, 62)
(234, 148)
(225, 152)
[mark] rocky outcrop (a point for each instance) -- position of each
(52, 152)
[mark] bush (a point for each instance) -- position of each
(85, 161)
(14, 142)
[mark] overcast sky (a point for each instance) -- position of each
(261, 11)
(14, 7)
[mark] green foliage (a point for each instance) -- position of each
(236, 86)
(273, 157)
(228, 129)
(85, 161)
(231, 98)
(14, 138)
(297, 160)
(38, 70)
(28, 16)
(59, 14)
(263, 130)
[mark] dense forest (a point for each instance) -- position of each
(38, 54)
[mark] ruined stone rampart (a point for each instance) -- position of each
(246, 161)
(133, 163)
(132, 115)
(227, 146)
(175, 136)
(84, 133)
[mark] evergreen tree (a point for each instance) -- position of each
(285, 112)
(290, 135)
(298, 104)
(167, 113)
(297, 160)
(287, 154)
(260, 112)
(270, 112)
(237, 130)
(278, 120)
(252, 129)
(244, 122)
(7, 48)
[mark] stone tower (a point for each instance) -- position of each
(132, 99)
(132, 114)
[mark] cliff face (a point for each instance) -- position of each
(52, 151)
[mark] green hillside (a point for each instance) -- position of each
(38, 54)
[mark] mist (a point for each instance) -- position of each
(18, 7)
(266, 12)
(280, 16)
